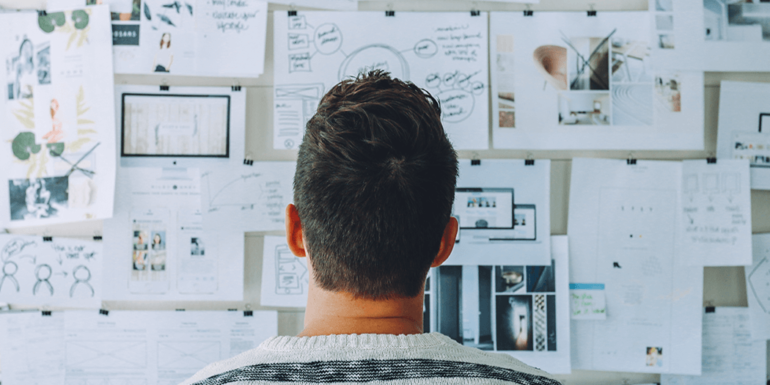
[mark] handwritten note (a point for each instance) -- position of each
(247, 198)
(223, 24)
(715, 221)
(587, 301)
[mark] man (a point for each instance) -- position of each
(373, 195)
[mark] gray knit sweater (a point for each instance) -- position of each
(369, 358)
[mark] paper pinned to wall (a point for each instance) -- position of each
(58, 125)
(285, 277)
(731, 354)
(116, 6)
(562, 80)
(341, 5)
(247, 198)
(445, 53)
(57, 272)
(519, 310)
(161, 251)
(758, 287)
(715, 218)
(151, 347)
(622, 231)
(504, 212)
(744, 128)
(587, 301)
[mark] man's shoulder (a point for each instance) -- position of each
(445, 362)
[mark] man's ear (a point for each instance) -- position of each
(294, 232)
(447, 242)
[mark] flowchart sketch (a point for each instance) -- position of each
(285, 277)
(758, 287)
(247, 198)
(50, 271)
(445, 53)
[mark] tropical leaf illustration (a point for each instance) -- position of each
(26, 114)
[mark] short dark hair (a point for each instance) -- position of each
(374, 187)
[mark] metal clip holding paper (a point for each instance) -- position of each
(631, 159)
(47, 238)
(710, 308)
(528, 12)
(42, 12)
(247, 160)
(591, 12)
(45, 312)
(475, 161)
(389, 12)
(529, 161)
(475, 11)
(236, 87)
(97, 235)
(711, 159)
(104, 312)
(292, 11)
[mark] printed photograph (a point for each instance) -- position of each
(664, 5)
(666, 41)
(20, 69)
(514, 322)
(664, 22)
(464, 295)
(584, 108)
(509, 279)
(589, 63)
(139, 259)
(540, 279)
(158, 240)
(736, 20)
(654, 356)
(196, 246)
(668, 96)
(37, 198)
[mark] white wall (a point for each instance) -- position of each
(724, 286)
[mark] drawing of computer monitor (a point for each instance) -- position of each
(490, 215)
(174, 130)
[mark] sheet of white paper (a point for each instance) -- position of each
(731, 356)
(342, 5)
(744, 127)
(712, 35)
(284, 276)
(194, 38)
(160, 250)
(503, 207)
(622, 233)
(59, 160)
(127, 347)
(516, 1)
(60, 272)
(116, 6)
(715, 216)
(758, 287)
(547, 95)
(587, 301)
(445, 53)
(248, 197)
(521, 310)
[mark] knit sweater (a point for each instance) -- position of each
(369, 358)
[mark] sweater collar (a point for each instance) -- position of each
(355, 341)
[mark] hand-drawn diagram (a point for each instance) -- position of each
(187, 355)
(759, 283)
(50, 272)
(291, 276)
(106, 354)
(447, 55)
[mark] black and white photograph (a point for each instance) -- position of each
(20, 67)
(464, 297)
(588, 62)
(514, 322)
(540, 279)
(584, 108)
(37, 198)
(509, 279)
(196, 246)
(736, 20)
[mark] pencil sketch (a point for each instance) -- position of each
(9, 269)
(82, 277)
(43, 273)
(758, 283)
(295, 104)
(291, 277)
(187, 354)
(106, 354)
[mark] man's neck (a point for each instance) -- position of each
(330, 313)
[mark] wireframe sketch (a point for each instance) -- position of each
(295, 105)
(187, 355)
(291, 277)
(43, 274)
(9, 270)
(736, 20)
(82, 278)
(106, 354)
(758, 282)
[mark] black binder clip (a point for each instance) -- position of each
(711, 309)
(390, 13)
(475, 162)
(97, 237)
(164, 88)
(292, 12)
(527, 12)
(179, 309)
(46, 313)
(630, 161)
(232, 309)
(235, 88)
(42, 12)
(711, 160)
(248, 162)
(248, 313)
(104, 312)
(47, 239)
(475, 12)
(591, 13)
(529, 162)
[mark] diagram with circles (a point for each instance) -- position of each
(445, 54)
(50, 271)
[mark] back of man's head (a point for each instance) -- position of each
(374, 187)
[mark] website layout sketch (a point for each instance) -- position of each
(285, 277)
(752, 146)
(55, 272)
(171, 125)
(446, 54)
(291, 277)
